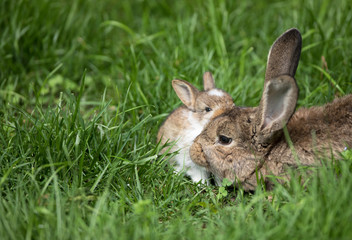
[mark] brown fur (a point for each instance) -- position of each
(258, 142)
(321, 130)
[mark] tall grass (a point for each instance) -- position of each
(85, 84)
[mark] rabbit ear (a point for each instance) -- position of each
(276, 107)
(284, 55)
(208, 81)
(186, 92)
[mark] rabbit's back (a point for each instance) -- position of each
(331, 121)
(323, 130)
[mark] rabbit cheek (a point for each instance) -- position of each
(220, 163)
(245, 168)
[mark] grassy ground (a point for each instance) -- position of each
(85, 84)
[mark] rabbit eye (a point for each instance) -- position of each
(207, 109)
(224, 140)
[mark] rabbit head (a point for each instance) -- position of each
(204, 105)
(187, 121)
(235, 144)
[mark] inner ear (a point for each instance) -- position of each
(186, 92)
(278, 103)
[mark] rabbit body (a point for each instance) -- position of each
(185, 123)
(318, 131)
(244, 143)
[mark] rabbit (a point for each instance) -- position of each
(247, 142)
(186, 122)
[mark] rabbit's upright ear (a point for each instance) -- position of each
(284, 55)
(208, 81)
(280, 93)
(186, 92)
(276, 107)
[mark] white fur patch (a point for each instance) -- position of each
(183, 160)
(216, 92)
(195, 128)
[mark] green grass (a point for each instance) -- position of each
(84, 86)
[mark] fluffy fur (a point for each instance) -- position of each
(244, 142)
(185, 123)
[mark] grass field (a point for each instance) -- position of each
(85, 84)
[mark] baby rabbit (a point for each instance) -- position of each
(185, 123)
(245, 142)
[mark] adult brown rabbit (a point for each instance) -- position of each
(245, 142)
(184, 124)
